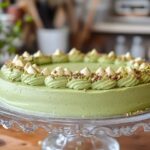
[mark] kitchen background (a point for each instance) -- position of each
(119, 25)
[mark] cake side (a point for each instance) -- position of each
(72, 103)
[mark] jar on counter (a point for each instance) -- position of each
(137, 48)
(121, 47)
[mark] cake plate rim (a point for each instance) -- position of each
(66, 129)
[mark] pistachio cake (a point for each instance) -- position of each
(76, 84)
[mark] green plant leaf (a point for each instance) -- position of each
(4, 5)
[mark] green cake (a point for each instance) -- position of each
(76, 85)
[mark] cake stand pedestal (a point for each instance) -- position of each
(75, 134)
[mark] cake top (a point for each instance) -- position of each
(112, 71)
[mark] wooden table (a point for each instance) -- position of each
(15, 140)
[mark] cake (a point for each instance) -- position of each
(76, 85)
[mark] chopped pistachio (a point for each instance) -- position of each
(67, 72)
(58, 71)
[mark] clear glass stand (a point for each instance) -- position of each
(75, 133)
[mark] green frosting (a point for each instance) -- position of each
(104, 84)
(120, 62)
(144, 70)
(56, 82)
(27, 59)
(59, 58)
(12, 74)
(128, 81)
(6, 71)
(33, 80)
(76, 56)
(41, 60)
(15, 75)
(63, 103)
(124, 60)
(92, 56)
(106, 60)
(145, 76)
(79, 84)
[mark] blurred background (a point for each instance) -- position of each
(119, 25)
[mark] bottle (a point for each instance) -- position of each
(121, 45)
(137, 48)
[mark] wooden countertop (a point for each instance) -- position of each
(15, 140)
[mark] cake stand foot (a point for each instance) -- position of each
(78, 142)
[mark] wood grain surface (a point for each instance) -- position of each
(15, 140)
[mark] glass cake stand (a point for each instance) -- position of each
(75, 133)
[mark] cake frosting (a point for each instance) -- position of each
(40, 59)
(80, 80)
(76, 84)
(59, 57)
(57, 79)
(32, 76)
(75, 55)
(104, 79)
(92, 56)
(107, 58)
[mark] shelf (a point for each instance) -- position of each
(123, 28)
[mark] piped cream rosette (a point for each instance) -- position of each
(107, 58)
(12, 70)
(144, 70)
(32, 75)
(92, 56)
(59, 57)
(127, 77)
(40, 59)
(58, 78)
(27, 57)
(75, 55)
(80, 80)
(124, 59)
(104, 79)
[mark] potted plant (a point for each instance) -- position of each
(10, 34)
